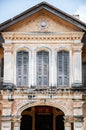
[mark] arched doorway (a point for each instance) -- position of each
(42, 118)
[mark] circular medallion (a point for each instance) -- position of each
(43, 24)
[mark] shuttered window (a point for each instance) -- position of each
(1, 67)
(1, 70)
(84, 72)
(63, 68)
(22, 68)
(42, 69)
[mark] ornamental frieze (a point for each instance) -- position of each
(43, 36)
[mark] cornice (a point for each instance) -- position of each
(46, 36)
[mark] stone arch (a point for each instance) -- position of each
(22, 48)
(44, 103)
(63, 48)
(43, 48)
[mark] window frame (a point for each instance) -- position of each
(22, 85)
(41, 86)
(63, 76)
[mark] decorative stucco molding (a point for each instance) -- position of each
(47, 36)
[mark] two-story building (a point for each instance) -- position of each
(43, 71)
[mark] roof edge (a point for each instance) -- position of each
(46, 6)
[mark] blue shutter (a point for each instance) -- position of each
(63, 68)
(42, 69)
(22, 68)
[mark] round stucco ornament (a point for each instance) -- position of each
(43, 23)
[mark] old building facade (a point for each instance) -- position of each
(42, 71)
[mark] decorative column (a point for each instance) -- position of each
(50, 68)
(78, 123)
(6, 118)
(77, 64)
(54, 71)
(6, 123)
(16, 123)
(33, 68)
(84, 123)
(67, 123)
(33, 119)
(54, 122)
(8, 75)
(30, 69)
(78, 111)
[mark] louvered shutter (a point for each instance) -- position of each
(42, 69)
(59, 73)
(22, 68)
(63, 68)
(2, 67)
(84, 72)
(45, 68)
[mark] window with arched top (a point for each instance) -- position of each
(63, 68)
(22, 68)
(42, 69)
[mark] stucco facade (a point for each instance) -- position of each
(43, 28)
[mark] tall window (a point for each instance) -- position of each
(22, 68)
(63, 68)
(84, 72)
(42, 69)
(1, 70)
(1, 67)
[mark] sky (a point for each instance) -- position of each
(11, 8)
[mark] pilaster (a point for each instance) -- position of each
(78, 123)
(84, 123)
(67, 123)
(77, 63)
(33, 68)
(53, 68)
(16, 123)
(8, 74)
(6, 123)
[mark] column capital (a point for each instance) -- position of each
(6, 118)
(8, 47)
(16, 119)
(78, 118)
(67, 122)
(68, 119)
(77, 48)
(16, 122)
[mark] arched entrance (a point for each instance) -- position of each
(42, 118)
